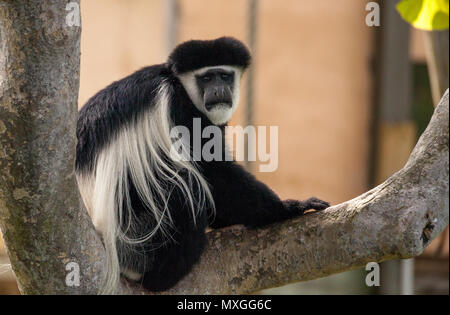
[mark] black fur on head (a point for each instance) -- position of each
(197, 54)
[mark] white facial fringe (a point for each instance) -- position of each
(139, 152)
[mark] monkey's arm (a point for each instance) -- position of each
(241, 199)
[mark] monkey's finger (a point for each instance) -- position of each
(319, 205)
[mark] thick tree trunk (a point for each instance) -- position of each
(40, 216)
(45, 228)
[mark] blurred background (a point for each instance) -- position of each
(350, 100)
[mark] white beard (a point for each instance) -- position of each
(220, 114)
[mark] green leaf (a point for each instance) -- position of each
(425, 14)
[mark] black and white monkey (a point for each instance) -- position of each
(150, 208)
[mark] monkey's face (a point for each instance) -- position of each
(214, 91)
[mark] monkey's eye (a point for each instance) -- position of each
(225, 76)
(206, 78)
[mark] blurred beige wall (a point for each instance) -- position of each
(312, 77)
(417, 47)
(118, 37)
(312, 80)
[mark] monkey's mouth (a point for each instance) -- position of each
(210, 106)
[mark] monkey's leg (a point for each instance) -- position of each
(174, 260)
(241, 199)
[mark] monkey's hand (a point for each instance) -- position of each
(300, 207)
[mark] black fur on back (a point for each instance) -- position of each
(196, 54)
(109, 110)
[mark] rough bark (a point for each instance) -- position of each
(44, 226)
(40, 216)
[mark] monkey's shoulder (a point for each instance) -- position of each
(115, 106)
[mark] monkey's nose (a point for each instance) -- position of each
(219, 92)
(217, 95)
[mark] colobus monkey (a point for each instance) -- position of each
(150, 207)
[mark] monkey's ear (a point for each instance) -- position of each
(196, 54)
